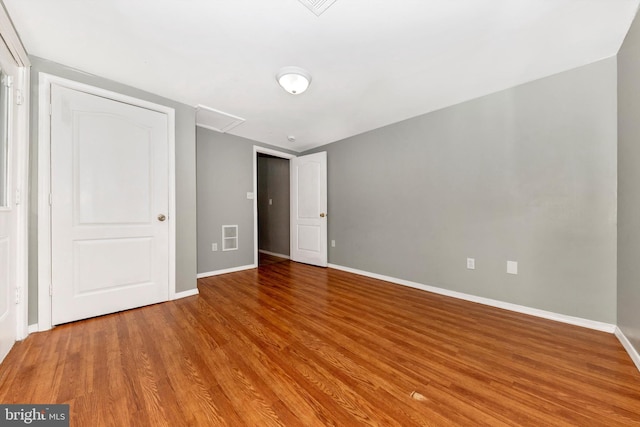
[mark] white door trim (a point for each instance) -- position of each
(44, 183)
(21, 144)
(257, 149)
(22, 186)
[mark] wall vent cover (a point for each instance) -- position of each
(229, 237)
(210, 118)
(317, 6)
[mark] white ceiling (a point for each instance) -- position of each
(373, 62)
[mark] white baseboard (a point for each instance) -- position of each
(577, 321)
(274, 254)
(33, 328)
(633, 353)
(184, 294)
(225, 271)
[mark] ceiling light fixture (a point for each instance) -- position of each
(294, 80)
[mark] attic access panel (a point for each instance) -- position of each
(213, 119)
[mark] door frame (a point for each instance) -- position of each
(20, 143)
(45, 81)
(257, 149)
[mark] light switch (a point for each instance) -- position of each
(512, 267)
(250, 195)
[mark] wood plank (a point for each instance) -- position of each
(289, 344)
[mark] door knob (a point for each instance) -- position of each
(161, 217)
(322, 215)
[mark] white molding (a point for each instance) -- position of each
(577, 321)
(45, 81)
(225, 271)
(22, 240)
(33, 328)
(184, 294)
(12, 40)
(633, 353)
(262, 251)
(44, 212)
(257, 149)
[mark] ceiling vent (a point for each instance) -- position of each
(210, 118)
(317, 6)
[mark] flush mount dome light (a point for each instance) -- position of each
(294, 80)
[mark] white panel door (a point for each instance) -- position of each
(8, 212)
(309, 209)
(109, 193)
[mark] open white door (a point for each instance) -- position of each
(109, 205)
(309, 209)
(8, 209)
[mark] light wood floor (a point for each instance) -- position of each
(294, 345)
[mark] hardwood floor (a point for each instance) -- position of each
(294, 345)
(266, 259)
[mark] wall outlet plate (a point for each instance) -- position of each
(471, 263)
(512, 267)
(214, 247)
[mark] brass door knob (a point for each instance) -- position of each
(322, 215)
(161, 217)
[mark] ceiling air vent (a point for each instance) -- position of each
(317, 6)
(210, 118)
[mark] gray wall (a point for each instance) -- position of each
(225, 176)
(185, 175)
(273, 219)
(629, 186)
(527, 174)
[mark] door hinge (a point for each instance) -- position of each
(19, 99)
(18, 196)
(50, 109)
(50, 290)
(8, 81)
(18, 295)
(50, 199)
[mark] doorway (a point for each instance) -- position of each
(273, 209)
(272, 206)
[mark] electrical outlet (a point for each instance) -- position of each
(333, 243)
(471, 263)
(270, 201)
(512, 267)
(214, 247)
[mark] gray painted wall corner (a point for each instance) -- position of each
(628, 247)
(224, 177)
(526, 174)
